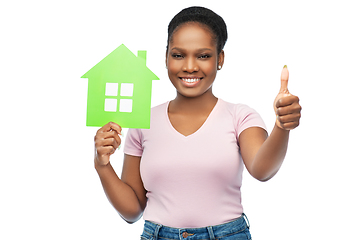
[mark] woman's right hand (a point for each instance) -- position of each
(107, 140)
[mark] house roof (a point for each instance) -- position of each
(121, 64)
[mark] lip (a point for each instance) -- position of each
(191, 81)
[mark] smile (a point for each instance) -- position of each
(190, 80)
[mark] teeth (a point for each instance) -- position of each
(191, 80)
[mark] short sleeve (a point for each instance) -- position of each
(246, 117)
(133, 143)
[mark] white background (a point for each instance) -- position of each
(49, 188)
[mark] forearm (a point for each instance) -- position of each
(120, 195)
(271, 154)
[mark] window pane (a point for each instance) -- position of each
(127, 89)
(111, 89)
(110, 105)
(125, 105)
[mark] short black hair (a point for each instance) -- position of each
(204, 16)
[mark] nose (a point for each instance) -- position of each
(190, 65)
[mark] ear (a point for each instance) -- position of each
(221, 58)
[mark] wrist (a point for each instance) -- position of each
(98, 165)
(280, 132)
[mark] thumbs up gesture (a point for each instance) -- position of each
(286, 105)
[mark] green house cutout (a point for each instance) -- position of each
(119, 90)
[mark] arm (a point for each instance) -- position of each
(127, 194)
(264, 155)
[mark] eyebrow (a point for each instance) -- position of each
(201, 49)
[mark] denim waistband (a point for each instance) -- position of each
(211, 232)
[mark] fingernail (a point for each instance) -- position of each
(285, 66)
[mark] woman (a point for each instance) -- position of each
(184, 173)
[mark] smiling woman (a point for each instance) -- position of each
(184, 174)
(192, 60)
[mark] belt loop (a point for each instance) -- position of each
(247, 221)
(211, 233)
(157, 229)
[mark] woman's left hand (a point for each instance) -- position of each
(286, 105)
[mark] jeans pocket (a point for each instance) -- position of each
(146, 236)
(242, 235)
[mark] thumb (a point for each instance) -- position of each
(284, 80)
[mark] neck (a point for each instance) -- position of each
(199, 104)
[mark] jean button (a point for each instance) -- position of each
(185, 235)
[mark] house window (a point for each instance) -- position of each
(112, 91)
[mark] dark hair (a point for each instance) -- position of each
(204, 16)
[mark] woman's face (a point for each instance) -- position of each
(192, 60)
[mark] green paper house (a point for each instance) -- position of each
(119, 90)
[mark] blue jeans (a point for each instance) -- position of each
(237, 229)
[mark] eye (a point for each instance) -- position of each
(204, 56)
(177, 55)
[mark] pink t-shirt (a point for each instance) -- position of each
(193, 181)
